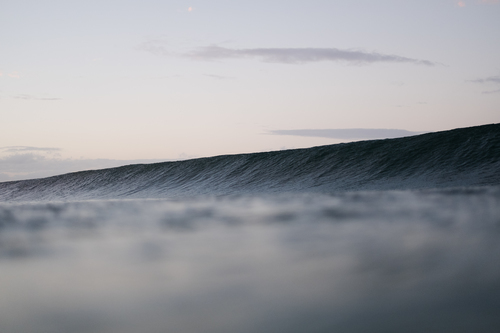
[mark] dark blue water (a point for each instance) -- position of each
(399, 235)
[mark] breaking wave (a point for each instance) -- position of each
(455, 158)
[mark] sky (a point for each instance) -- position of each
(93, 84)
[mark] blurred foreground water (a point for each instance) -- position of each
(384, 261)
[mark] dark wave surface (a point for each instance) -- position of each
(459, 157)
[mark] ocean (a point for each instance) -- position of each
(372, 236)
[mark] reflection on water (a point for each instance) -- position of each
(360, 262)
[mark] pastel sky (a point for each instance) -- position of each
(88, 84)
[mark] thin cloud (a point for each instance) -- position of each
(491, 79)
(30, 164)
(488, 92)
(282, 55)
(157, 47)
(348, 133)
(31, 98)
(301, 55)
(488, 80)
(27, 162)
(219, 77)
(24, 149)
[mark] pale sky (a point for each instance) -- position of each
(86, 81)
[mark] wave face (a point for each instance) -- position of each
(455, 158)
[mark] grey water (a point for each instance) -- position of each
(362, 261)
(396, 235)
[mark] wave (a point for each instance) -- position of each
(454, 158)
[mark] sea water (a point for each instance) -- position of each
(364, 261)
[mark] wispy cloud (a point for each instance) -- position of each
(490, 79)
(301, 55)
(31, 97)
(282, 55)
(488, 92)
(219, 77)
(157, 47)
(348, 133)
(26, 162)
(32, 165)
(24, 149)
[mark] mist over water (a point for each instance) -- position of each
(206, 253)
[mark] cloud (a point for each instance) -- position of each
(491, 79)
(219, 77)
(31, 97)
(282, 55)
(461, 4)
(491, 92)
(488, 80)
(24, 162)
(347, 133)
(14, 75)
(157, 47)
(18, 149)
(301, 55)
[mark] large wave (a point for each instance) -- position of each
(459, 157)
